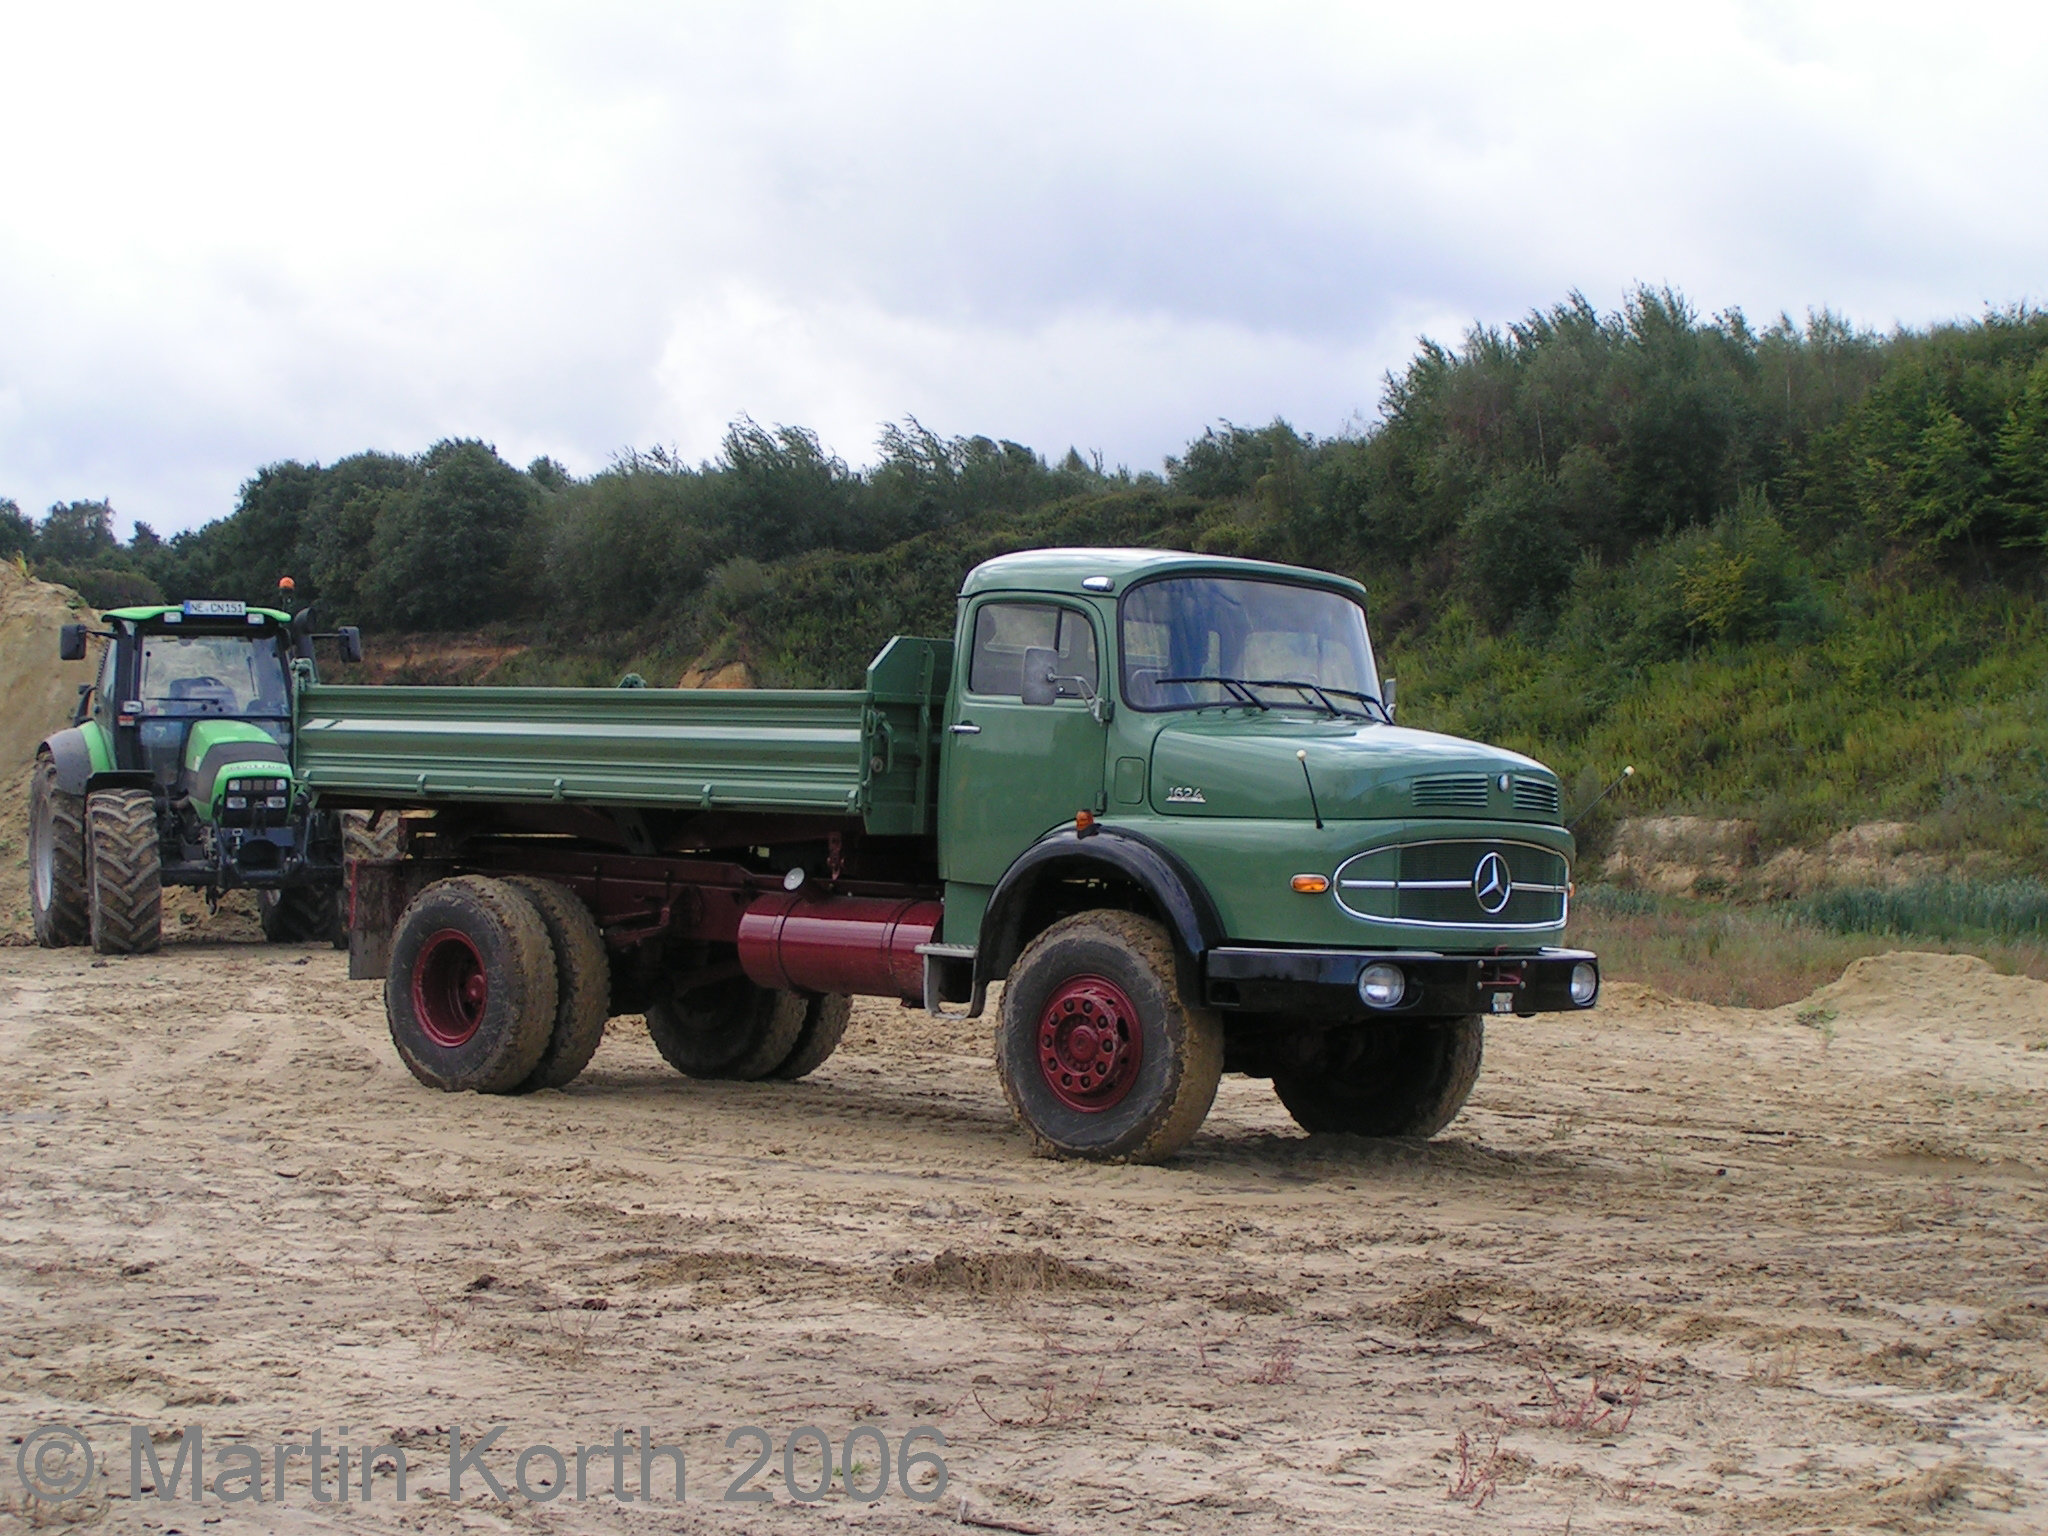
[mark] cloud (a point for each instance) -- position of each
(237, 236)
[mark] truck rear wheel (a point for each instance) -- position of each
(583, 982)
(1406, 1079)
(56, 860)
(730, 1029)
(126, 895)
(471, 991)
(302, 914)
(1097, 1053)
(825, 1018)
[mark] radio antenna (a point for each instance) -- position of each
(1585, 811)
(1301, 757)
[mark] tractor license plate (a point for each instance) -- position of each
(1503, 1002)
(213, 608)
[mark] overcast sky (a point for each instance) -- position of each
(233, 236)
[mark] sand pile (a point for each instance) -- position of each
(37, 695)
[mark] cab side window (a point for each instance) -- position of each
(1004, 631)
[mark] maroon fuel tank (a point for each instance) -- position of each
(861, 944)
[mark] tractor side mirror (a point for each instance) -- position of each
(1387, 695)
(1039, 664)
(351, 639)
(71, 643)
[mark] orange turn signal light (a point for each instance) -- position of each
(1310, 885)
(1083, 820)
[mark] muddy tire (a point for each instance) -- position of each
(730, 1029)
(825, 1018)
(56, 860)
(1097, 1053)
(1407, 1079)
(376, 837)
(302, 914)
(124, 864)
(471, 992)
(583, 982)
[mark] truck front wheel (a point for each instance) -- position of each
(1406, 1079)
(730, 1029)
(471, 991)
(126, 898)
(56, 860)
(1097, 1053)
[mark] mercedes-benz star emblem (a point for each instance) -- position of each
(1491, 886)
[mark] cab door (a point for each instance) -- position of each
(1013, 771)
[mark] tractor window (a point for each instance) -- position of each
(213, 675)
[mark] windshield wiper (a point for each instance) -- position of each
(1239, 690)
(1322, 692)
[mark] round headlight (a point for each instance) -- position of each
(1585, 983)
(1381, 985)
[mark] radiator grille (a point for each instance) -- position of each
(1456, 883)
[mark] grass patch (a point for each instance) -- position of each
(1764, 956)
(1938, 909)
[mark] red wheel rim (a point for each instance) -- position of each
(449, 988)
(1090, 1044)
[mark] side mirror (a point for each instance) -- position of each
(1387, 695)
(1040, 661)
(351, 639)
(71, 643)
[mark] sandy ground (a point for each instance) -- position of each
(1803, 1255)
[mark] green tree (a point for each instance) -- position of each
(17, 532)
(76, 532)
(442, 551)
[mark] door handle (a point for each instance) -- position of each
(965, 728)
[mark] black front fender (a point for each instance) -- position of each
(72, 757)
(1104, 850)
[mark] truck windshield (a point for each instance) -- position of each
(213, 675)
(1191, 641)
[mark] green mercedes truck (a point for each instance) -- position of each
(1161, 798)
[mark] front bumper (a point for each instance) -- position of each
(1323, 983)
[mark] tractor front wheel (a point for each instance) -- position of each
(1098, 1054)
(125, 866)
(302, 914)
(56, 860)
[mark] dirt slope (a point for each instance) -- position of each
(1803, 1254)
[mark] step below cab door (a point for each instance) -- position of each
(1013, 771)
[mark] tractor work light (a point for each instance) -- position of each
(1382, 986)
(238, 802)
(1585, 983)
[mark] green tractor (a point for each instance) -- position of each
(177, 771)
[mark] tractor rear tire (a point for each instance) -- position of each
(56, 860)
(583, 982)
(470, 995)
(125, 903)
(730, 1029)
(302, 914)
(1098, 1055)
(825, 1019)
(1406, 1079)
